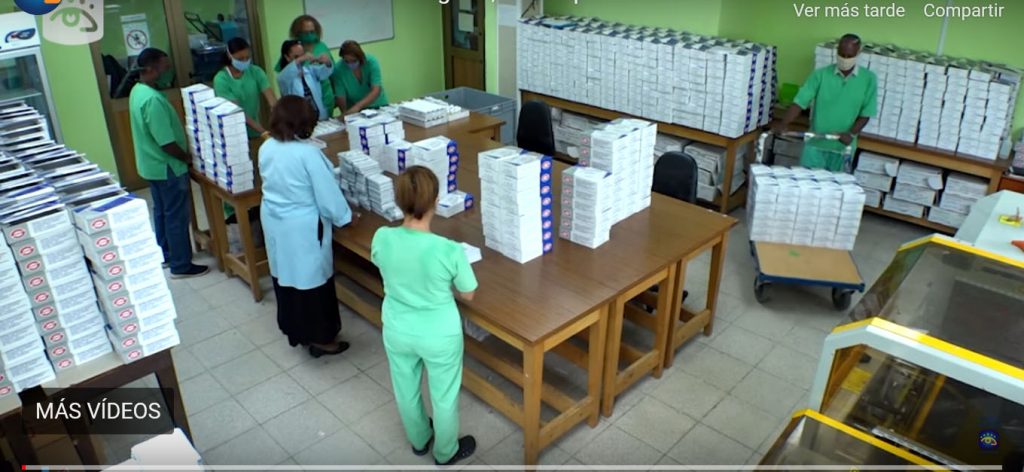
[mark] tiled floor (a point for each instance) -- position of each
(252, 399)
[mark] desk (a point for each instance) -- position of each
(731, 145)
(251, 264)
(107, 373)
(983, 230)
(538, 307)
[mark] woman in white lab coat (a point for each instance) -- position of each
(301, 74)
(301, 205)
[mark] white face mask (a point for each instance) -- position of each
(846, 63)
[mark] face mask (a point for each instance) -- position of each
(846, 63)
(308, 37)
(240, 65)
(165, 78)
(352, 65)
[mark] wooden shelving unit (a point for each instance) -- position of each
(731, 145)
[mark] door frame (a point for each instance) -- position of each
(177, 32)
(450, 52)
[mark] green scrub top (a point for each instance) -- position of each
(326, 91)
(355, 90)
(246, 91)
(154, 124)
(419, 270)
(837, 103)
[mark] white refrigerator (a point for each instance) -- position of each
(22, 73)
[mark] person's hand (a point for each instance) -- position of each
(324, 59)
(354, 109)
(304, 58)
(846, 138)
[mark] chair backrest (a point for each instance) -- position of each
(535, 132)
(675, 175)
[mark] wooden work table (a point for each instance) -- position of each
(251, 264)
(573, 292)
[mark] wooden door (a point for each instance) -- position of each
(463, 22)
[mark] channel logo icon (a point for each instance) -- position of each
(37, 7)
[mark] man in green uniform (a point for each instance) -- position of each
(844, 98)
(160, 157)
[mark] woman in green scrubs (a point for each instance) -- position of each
(308, 31)
(422, 273)
(357, 80)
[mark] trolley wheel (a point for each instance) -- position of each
(841, 298)
(761, 291)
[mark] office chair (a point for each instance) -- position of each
(535, 132)
(675, 175)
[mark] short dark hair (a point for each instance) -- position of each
(416, 191)
(293, 118)
(296, 28)
(353, 48)
(235, 45)
(286, 46)
(149, 57)
(850, 37)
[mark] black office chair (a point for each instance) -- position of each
(675, 175)
(535, 132)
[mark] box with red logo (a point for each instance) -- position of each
(72, 332)
(33, 247)
(145, 259)
(128, 297)
(72, 271)
(30, 373)
(111, 254)
(72, 317)
(65, 307)
(118, 212)
(129, 283)
(54, 257)
(78, 351)
(52, 293)
(133, 348)
(117, 236)
(6, 386)
(48, 221)
(143, 316)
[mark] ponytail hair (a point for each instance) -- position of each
(416, 192)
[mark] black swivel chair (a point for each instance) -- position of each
(675, 175)
(535, 132)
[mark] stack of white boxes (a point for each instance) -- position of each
(916, 188)
(355, 168)
(711, 169)
(126, 264)
(960, 194)
(191, 97)
(380, 190)
(516, 203)
(23, 362)
(233, 167)
(721, 86)
(875, 174)
(952, 104)
(587, 206)
(803, 207)
(624, 148)
(441, 155)
(372, 132)
(424, 113)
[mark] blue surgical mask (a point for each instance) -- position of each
(352, 66)
(240, 65)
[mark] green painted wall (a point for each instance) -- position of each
(697, 16)
(411, 62)
(77, 107)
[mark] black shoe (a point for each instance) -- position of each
(193, 271)
(426, 448)
(467, 446)
(317, 352)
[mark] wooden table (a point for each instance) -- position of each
(251, 264)
(105, 373)
(540, 306)
(732, 145)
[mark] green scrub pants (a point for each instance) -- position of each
(442, 356)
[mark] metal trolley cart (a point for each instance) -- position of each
(803, 265)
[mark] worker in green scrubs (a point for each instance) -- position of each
(357, 81)
(245, 84)
(308, 31)
(843, 97)
(422, 273)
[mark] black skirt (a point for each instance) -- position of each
(308, 316)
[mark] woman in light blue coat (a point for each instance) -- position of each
(301, 74)
(301, 205)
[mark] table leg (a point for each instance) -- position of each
(219, 230)
(595, 360)
(17, 439)
(663, 332)
(195, 219)
(612, 347)
(675, 308)
(730, 165)
(533, 382)
(496, 133)
(218, 246)
(715, 280)
(249, 247)
(167, 379)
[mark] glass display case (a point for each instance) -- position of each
(813, 439)
(932, 359)
(22, 72)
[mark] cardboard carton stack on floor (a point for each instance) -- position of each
(516, 203)
(804, 207)
(956, 105)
